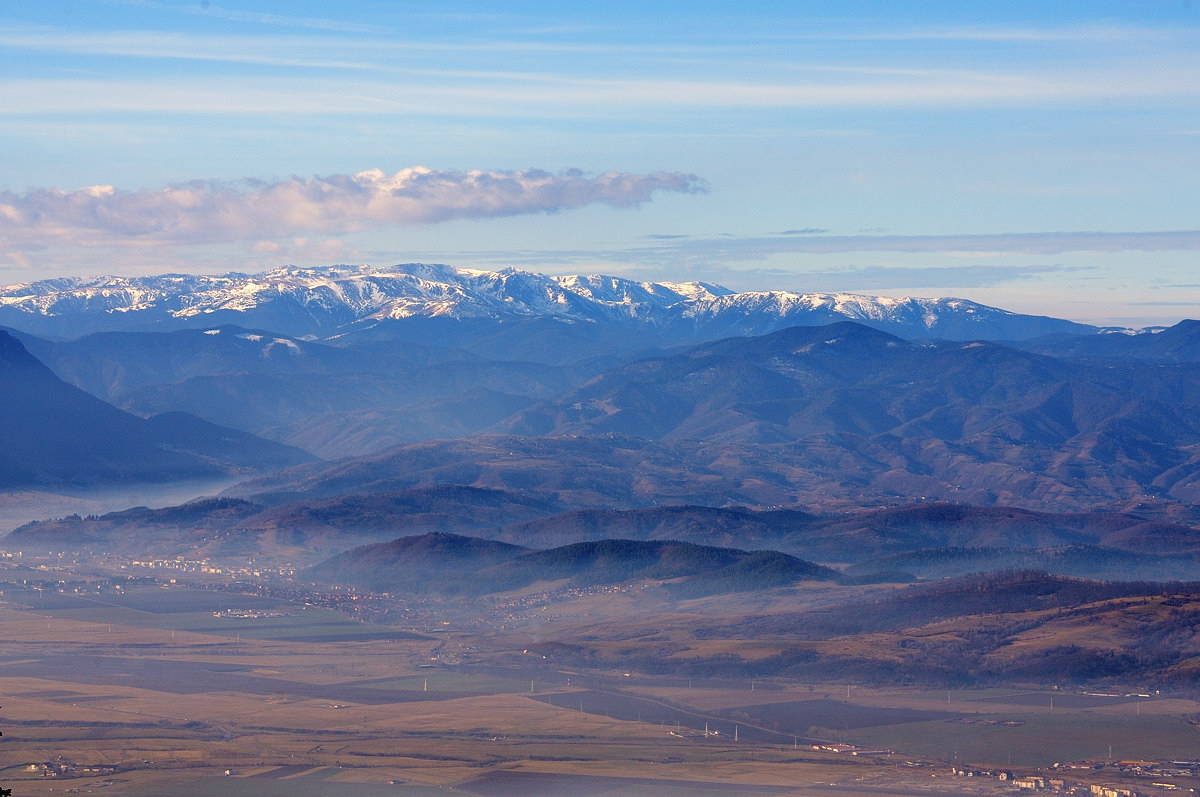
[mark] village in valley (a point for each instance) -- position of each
(283, 658)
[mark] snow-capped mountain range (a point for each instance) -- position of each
(321, 302)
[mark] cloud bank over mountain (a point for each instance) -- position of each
(225, 211)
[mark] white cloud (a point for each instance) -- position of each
(214, 212)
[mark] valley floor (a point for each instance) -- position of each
(188, 691)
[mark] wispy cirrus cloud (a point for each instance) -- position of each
(468, 93)
(749, 263)
(932, 280)
(207, 9)
(727, 256)
(905, 278)
(492, 76)
(1087, 33)
(911, 280)
(206, 212)
(293, 51)
(719, 248)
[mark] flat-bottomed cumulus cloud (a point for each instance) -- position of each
(221, 211)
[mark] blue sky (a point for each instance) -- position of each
(1042, 157)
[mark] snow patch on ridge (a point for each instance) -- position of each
(330, 297)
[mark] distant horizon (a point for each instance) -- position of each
(1138, 322)
(1029, 156)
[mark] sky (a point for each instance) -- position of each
(1040, 156)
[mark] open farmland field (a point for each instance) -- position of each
(990, 727)
(172, 710)
(443, 680)
(1039, 740)
(172, 697)
(189, 609)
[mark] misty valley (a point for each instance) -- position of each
(427, 530)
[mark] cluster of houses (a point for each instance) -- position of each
(849, 749)
(60, 767)
(186, 565)
(248, 614)
(1142, 768)
(1030, 783)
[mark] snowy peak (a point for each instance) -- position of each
(697, 290)
(318, 301)
(614, 290)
